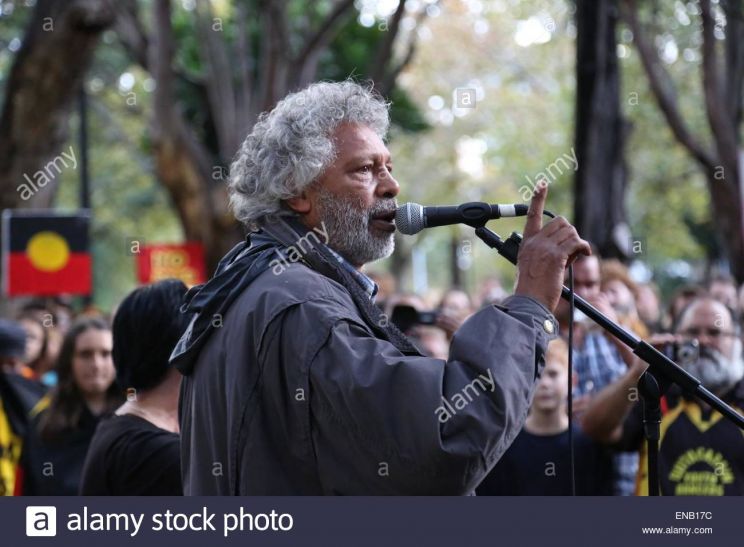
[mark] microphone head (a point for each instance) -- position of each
(409, 218)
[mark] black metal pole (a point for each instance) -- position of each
(651, 392)
(83, 144)
(84, 178)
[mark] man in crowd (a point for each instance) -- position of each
(649, 306)
(723, 288)
(701, 452)
(599, 359)
(295, 383)
(622, 294)
(679, 301)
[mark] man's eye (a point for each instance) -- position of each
(365, 168)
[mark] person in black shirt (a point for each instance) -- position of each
(130, 455)
(701, 453)
(538, 462)
(137, 451)
(63, 422)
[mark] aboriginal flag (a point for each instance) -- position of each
(45, 253)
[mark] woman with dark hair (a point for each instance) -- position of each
(36, 364)
(136, 451)
(65, 420)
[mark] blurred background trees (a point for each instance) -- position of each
(717, 44)
(174, 86)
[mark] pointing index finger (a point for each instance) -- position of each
(535, 212)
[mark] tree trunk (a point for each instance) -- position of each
(181, 163)
(43, 83)
(600, 183)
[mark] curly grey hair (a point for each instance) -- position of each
(292, 145)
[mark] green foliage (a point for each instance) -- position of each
(127, 201)
(14, 17)
(351, 54)
(524, 118)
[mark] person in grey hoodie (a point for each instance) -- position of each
(294, 382)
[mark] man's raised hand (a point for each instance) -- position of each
(545, 252)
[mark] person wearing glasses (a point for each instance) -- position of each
(701, 453)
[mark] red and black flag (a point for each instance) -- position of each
(45, 253)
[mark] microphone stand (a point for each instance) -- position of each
(661, 372)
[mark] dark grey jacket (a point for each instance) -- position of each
(293, 392)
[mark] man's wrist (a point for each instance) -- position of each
(530, 295)
(540, 313)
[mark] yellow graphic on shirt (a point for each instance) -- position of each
(695, 414)
(10, 454)
(701, 482)
(700, 470)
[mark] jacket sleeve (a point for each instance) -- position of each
(382, 422)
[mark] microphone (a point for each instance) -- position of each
(411, 218)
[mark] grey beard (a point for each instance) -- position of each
(349, 233)
(716, 372)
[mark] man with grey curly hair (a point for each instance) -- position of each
(294, 381)
(287, 163)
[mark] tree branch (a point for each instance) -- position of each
(274, 53)
(160, 55)
(392, 75)
(376, 71)
(134, 39)
(715, 104)
(219, 83)
(324, 33)
(181, 161)
(130, 31)
(662, 87)
(243, 54)
(734, 10)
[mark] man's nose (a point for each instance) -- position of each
(387, 187)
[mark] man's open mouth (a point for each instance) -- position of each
(384, 221)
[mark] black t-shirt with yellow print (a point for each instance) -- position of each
(17, 396)
(701, 453)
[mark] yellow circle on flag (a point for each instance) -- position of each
(48, 251)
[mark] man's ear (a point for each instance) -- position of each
(300, 204)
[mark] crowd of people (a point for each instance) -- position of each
(701, 452)
(91, 406)
(102, 417)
